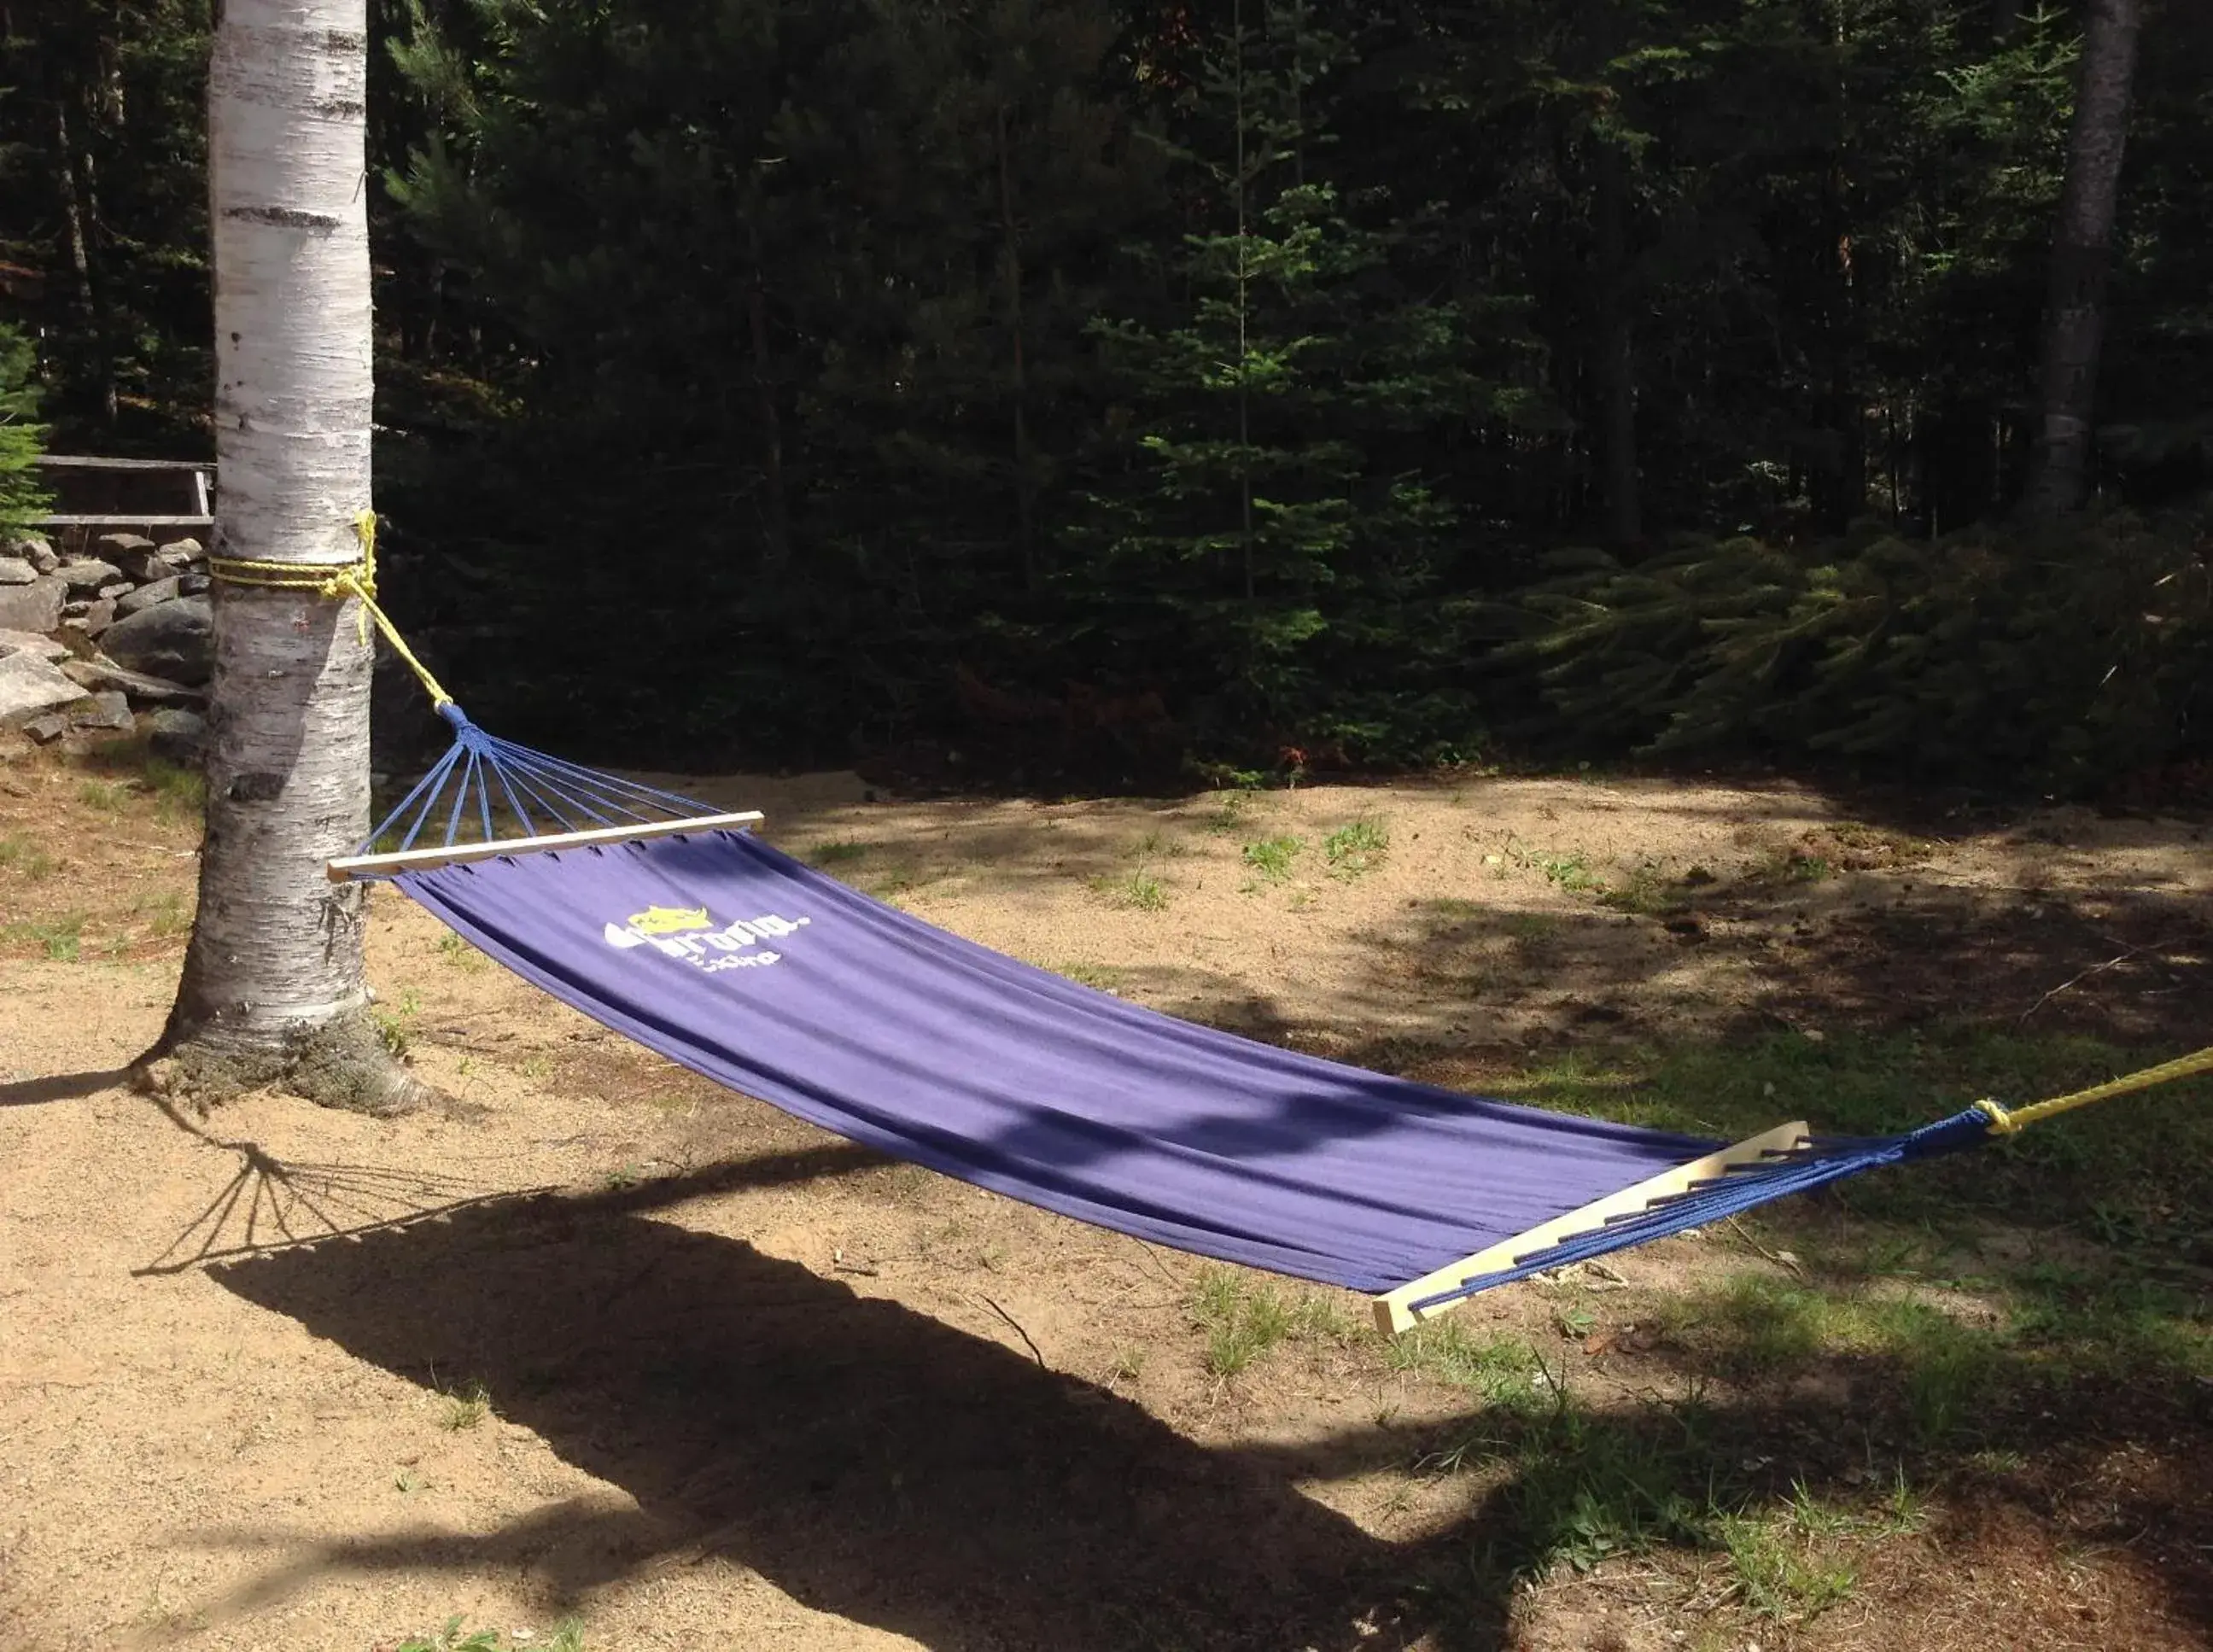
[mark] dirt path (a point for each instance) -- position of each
(608, 1342)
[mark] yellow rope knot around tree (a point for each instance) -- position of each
(2010, 1121)
(335, 581)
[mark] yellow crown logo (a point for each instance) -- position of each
(669, 920)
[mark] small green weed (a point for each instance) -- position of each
(1791, 866)
(1139, 890)
(1272, 857)
(465, 1408)
(392, 1025)
(843, 851)
(61, 938)
(106, 795)
(1356, 849)
(1129, 1364)
(460, 954)
(1230, 813)
(19, 854)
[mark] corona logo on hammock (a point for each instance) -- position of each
(688, 933)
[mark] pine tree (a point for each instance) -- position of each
(22, 501)
(1252, 530)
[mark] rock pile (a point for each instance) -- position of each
(89, 643)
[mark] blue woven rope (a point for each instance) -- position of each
(482, 776)
(1732, 1193)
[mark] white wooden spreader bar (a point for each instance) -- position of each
(1392, 1309)
(351, 867)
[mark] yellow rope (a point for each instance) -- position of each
(2007, 1121)
(336, 581)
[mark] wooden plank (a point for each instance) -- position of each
(79, 461)
(422, 860)
(141, 519)
(1392, 1309)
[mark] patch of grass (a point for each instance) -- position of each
(178, 794)
(1230, 813)
(1128, 1363)
(1791, 866)
(1272, 857)
(843, 851)
(1645, 893)
(1100, 977)
(460, 954)
(1503, 1370)
(167, 915)
(60, 938)
(20, 854)
(1781, 1572)
(1155, 844)
(109, 796)
(1140, 891)
(1243, 1321)
(567, 1635)
(1357, 848)
(1570, 872)
(1531, 927)
(465, 1408)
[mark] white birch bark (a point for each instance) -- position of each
(274, 968)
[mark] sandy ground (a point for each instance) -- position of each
(748, 1387)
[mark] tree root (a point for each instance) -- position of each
(344, 1062)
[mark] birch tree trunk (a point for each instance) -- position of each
(2075, 312)
(274, 987)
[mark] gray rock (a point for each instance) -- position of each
(162, 590)
(92, 617)
(24, 641)
(33, 550)
(102, 673)
(192, 584)
(179, 553)
(47, 729)
(178, 737)
(34, 607)
(141, 565)
(108, 712)
(116, 592)
(86, 575)
(110, 544)
(14, 571)
(29, 686)
(175, 640)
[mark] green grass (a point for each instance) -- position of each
(106, 795)
(1503, 1370)
(178, 794)
(1141, 890)
(1100, 977)
(19, 854)
(567, 1635)
(1272, 857)
(167, 915)
(844, 852)
(60, 938)
(1244, 1320)
(465, 1408)
(1357, 848)
(1645, 893)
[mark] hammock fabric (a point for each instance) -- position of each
(730, 957)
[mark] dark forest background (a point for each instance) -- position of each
(1106, 391)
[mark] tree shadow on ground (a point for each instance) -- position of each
(870, 1462)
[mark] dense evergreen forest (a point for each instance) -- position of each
(1096, 388)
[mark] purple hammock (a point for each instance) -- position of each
(725, 954)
